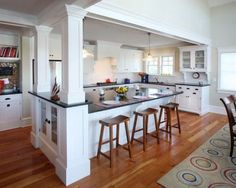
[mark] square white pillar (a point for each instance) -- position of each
(41, 62)
(72, 55)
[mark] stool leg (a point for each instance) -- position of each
(156, 125)
(100, 141)
(111, 144)
(147, 117)
(117, 135)
(166, 119)
(128, 140)
(177, 113)
(159, 120)
(134, 128)
(144, 133)
(169, 121)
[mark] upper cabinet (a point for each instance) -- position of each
(55, 49)
(130, 61)
(108, 50)
(194, 58)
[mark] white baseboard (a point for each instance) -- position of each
(217, 109)
(26, 122)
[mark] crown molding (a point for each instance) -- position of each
(106, 11)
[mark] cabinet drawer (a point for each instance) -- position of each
(9, 98)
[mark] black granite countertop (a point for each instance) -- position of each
(47, 96)
(155, 83)
(146, 94)
(11, 93)
(193, 84)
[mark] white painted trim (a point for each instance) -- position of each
(217, 109)
(26, 122)
(105, 10)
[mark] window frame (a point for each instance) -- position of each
(220, 51)
(160, 65)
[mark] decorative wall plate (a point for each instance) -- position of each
(195, 75)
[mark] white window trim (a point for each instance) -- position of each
(158, 66)
(220, 51)
(169, 55)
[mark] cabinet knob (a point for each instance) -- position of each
(7, 99)
(8, 105)
(194, 93)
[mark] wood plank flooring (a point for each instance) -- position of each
(23, 166)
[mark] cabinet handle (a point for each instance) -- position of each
(167, 88)
(8, 105)
(48, 121)
(7, 99)
(180, 87)
(194, 93)
(196, 89)
(187, 88)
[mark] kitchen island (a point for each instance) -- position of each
(104, 106)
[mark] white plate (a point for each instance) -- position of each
(111, 102)
(140, 97)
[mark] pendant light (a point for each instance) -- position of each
(149, 56)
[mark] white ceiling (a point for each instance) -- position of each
(215, 3)
(32, 7)
(100, 30)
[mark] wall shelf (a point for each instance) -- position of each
(9, 59)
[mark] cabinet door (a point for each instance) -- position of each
(200, 59)
(137, 61)
(43, 118)
(55, 49)
(54, 122)
(186, 59)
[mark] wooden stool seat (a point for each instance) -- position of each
(110, 123)
(114, 121)
(168, 107)
(145, 114)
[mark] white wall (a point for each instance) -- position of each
(26, 75)
(223, 27)
(187, 15)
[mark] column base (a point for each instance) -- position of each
(71, 174)
(72, 97)
(34, 139)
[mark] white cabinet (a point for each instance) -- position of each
(108, 50)
(193, 99)
(48, 123)
(10, 111)
(89, 60)
(130, 61)
(194, 58)
(55, 48)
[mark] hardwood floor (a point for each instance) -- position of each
(23, 166)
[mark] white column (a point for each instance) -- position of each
(72, 161)
(42, 68)
(72, 56)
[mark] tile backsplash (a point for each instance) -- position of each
(14, 78)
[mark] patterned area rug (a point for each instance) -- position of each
(207, 167)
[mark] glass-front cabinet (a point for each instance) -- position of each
(193, 58)
(48, 123)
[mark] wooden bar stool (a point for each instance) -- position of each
(168, 107)
(145, 114)
(109, 123)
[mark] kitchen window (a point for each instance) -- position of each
(227, 70)
(167, 65)
(152, 66)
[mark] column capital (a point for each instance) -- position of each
(73, 10)
(43, 28)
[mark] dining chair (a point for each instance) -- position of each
(228, 102)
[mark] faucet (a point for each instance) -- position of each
(156, 78)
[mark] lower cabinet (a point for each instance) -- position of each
(10, 111)
(48, 123)
(194, 99)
